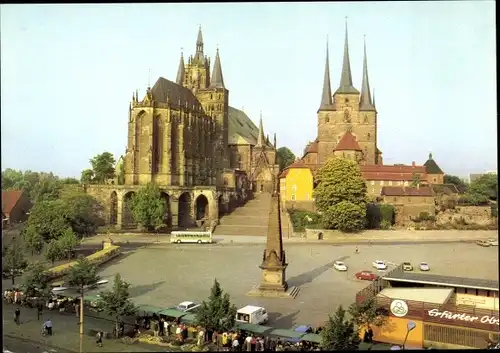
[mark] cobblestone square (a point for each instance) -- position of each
(164, 275)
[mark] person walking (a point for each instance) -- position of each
(99, 338)
(156, 328)
(17, 315)
(48, 326)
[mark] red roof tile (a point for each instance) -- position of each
(312, 148)
(406, 191)
(9, 200)
(378, 168)
(347, 143)
(284, 173)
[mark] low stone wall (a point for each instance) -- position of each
(480, 215)
(98, 258)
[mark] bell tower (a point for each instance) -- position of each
(197, 71)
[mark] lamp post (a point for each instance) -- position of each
(411, 325)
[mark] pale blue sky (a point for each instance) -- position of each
(68, 73)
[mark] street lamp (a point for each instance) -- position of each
(411, 325)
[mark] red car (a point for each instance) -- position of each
(366, 275)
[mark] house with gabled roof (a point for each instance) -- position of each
(16, 206)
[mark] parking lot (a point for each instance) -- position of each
(166, 275)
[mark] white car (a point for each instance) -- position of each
(493, 242)
(379, 265)
(424, 266)
(340, 266)
(187, 306)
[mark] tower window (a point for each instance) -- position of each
(211, 96)
(347, 100)
(368, 136)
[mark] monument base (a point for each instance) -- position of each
(262, 291)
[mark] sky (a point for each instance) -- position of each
(68, 73)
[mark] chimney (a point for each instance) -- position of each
(413, 163)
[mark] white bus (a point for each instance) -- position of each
(191, 237)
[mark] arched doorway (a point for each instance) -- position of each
(168, 215)
(185, 210)
(201, 208)
(113, 209)
(127, 216)
(220, 203)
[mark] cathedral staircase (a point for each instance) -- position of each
(248, 220)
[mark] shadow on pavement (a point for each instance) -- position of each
(309, 276)
(283, 321)
(141, 290)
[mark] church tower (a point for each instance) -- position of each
(197, 71)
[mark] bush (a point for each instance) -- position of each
(473, 200)
(385, 225)
(425, 217)
(376, 214)
(302, 219)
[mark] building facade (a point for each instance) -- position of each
(16, 206)
(347, 128)
(205, 156)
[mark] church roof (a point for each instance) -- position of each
(347, 143)
(431, 166)
(164, 90)
(313, 147)
(242, 130)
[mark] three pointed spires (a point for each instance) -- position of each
(217, 80)
(365, 101)
(346, 76)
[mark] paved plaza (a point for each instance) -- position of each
(166, 274)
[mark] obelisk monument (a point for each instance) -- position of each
(273, 281)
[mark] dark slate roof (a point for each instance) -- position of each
(431, 166)
(164, 89)
(365, 102)
(346, 76)
(448, 281)
(326, 97)
(217, 80)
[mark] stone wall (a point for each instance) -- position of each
(480, 215)
(301, 205)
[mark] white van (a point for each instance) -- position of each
(252, 315)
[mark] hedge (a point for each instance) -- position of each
(300, 221)
(379, 215)
(98, 258)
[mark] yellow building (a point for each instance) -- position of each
(296, 186)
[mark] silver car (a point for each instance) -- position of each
(424, 266)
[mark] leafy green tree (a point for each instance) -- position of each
(486, 185)
(285, 157)
(103, 166)
(148, 207)
(366, 314)
(53, 251)
(84, 212)
(217, 314)
(37, 280)
(47, 188)
(70, 181)
(340, 194)
(345, 216)
(117, 302)
(68, 242)
(11, 177)
(81, 276)
(33, 240)
(339, 334)
(459, 183)
(48, 218)
(14, 261)
(87, 176)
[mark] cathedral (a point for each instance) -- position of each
(183, 136)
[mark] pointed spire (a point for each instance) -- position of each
(217, 80)
(365, 101)
(274, 142)
(180, 71)
(326, 98)
(199, 47)
(260, 138)
(346, 76)
(199, 40)
(373, 98)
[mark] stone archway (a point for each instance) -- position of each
(127, 216)
(168, 214)
(185, 220)
(113, 209)
(201, 208)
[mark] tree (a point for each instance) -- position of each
(285, 157)
(83, 275)
(84, 212)
(339, 334)
(87, 176)
(37, 280)
(116, 302)
(459, 183)
(367, 314)
(103, 166)
(217, 314)
(340, 194)
(68, 242)
(53, 251)
(47, 188)
(32, 239)
(48, 219)
(148, 207)
(486, 185)
(14, 261)
(345, 216)
(70, 181)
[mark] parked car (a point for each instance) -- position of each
(187, 306)
(340, 266)
(379, 265)
(493, 242)
(484, 243)
(424, 266)
(366, 275)
(407, 266)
